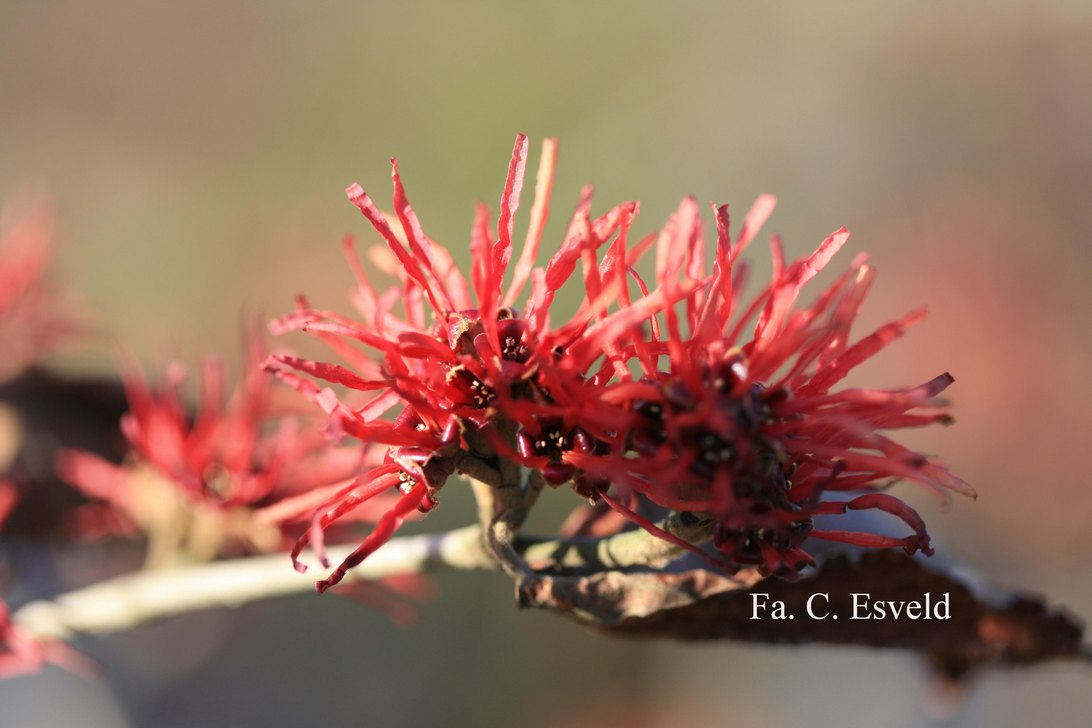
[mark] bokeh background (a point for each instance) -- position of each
(197, 153)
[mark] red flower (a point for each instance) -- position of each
(234, 474)
(747, 428)
(746, 431)
(478, 357)
(20, 653)
(32, 314)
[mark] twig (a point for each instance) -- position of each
(622, 551)
(503, 503)
(696, 604)
(130, 600)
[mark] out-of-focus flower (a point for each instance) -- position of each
(242, 474)
(33, 315)
(656, 395)
(19, 652)
(229, 477)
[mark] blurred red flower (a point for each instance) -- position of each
(229, 477)
(19, 652)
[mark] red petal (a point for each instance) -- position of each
(388, 524)
(540, 212)
(410, 262)
(513, 186)
(859, 352)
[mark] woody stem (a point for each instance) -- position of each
(503, 503)
(621, 551)
(128, 601)
(503, 496)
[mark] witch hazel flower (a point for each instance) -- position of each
(647, 395)
(232, 476)
(459, 366)
(21, 653)
(738, 415)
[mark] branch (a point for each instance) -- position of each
(504, 500)
(128, 601)
(975, 629)
(685, 605)
(637, 548)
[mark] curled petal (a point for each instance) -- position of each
(387, 526)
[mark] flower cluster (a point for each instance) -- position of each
(683, 394)
(736, 417)
(230, 477)
(21, 653)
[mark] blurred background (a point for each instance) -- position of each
(197, 154)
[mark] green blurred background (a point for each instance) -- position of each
(198, 151)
